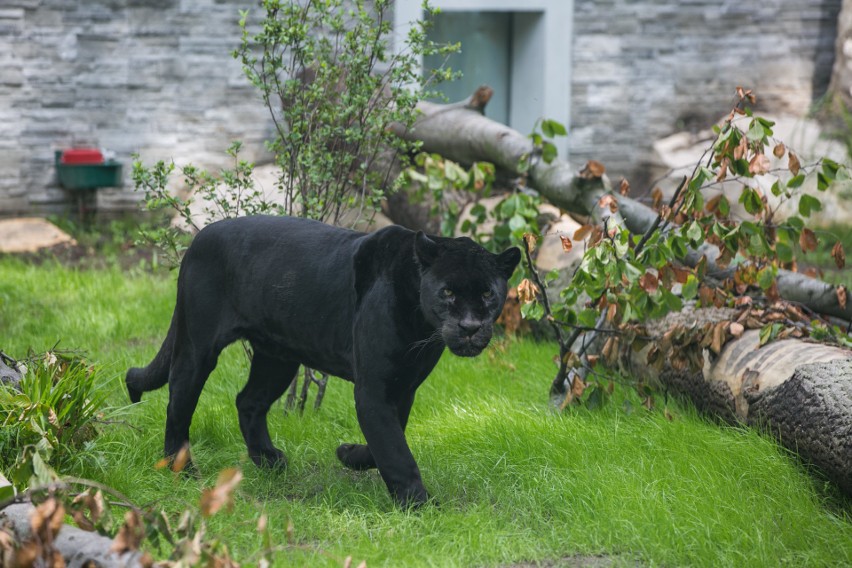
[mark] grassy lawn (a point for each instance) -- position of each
(516, 481)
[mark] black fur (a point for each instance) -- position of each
(376, 309)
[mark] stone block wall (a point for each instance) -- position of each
(152, 77)
(155, 77)
(644, 69)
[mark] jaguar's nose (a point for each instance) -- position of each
(469, 327)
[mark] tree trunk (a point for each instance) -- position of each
(798, 391)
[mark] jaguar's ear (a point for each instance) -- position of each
(425, 250)
(508, 260)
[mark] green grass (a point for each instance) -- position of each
(516, 481)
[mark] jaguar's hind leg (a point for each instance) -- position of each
(268, 380)
(190, 369)
(358, 456)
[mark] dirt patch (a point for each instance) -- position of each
(88, 257)
(31, 234)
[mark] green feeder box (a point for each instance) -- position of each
(82, 169)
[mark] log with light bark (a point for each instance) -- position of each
(77, 547)
(462, 133)
(796, 390)
(800, 391)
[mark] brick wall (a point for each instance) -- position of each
(147, 76)
(646, 69)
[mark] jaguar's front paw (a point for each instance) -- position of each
(356, 456)
(269, 458)
(412, 496)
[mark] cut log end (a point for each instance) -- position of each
(480, 98)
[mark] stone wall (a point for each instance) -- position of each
(645, 69)
(155, 77)
(147, 76)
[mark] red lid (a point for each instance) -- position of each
(82, 156)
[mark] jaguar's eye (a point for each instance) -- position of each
(447, 293)
(487, 294)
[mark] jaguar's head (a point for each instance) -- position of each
(462, 289)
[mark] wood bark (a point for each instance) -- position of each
(797, 391)
(77, 547)
(462, 133)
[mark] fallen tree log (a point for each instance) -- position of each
(797, 391)
(461, 132)
(77, 547)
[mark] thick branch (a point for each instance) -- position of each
(461, 133)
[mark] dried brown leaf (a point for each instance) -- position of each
(582, 232)
(527, 291)
(592, 170)
(779, 150)
(657, 197)
(624, 187)
(723, 170)
(578, 387)
(793, 163)
(130, 534)
(566, 243)
(608, 201)
(841, 296)
(838, 255)
(181, 459)
(808, 240)
(649, 282)
(530, 241)
(214, 498)
(758, 165)
(610, 350)
(611, 312)
(741, 150)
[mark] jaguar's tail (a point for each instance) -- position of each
(156, 374)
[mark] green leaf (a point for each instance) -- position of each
(548, 152)
(587, 317)
(766, 277)
(694, 232)
(796, 181)
(751, 201)
(829, 168)
(556, 128)
(784, 252)
(756, 132)
(532, 311)
(690, 288)
(808, 204)
(776, 189)
(724, 206)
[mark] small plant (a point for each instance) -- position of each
(51, 413)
